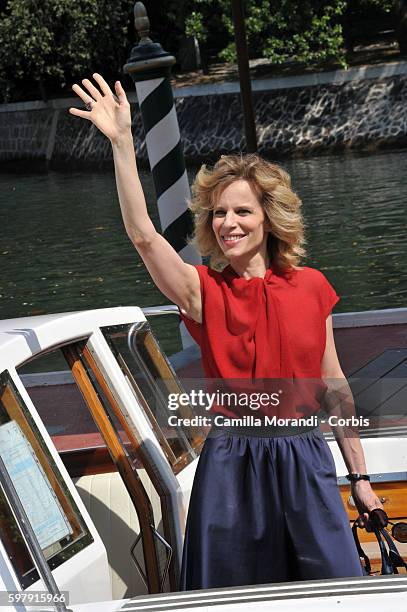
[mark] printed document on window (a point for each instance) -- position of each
(43, 509)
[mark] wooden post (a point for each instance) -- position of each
(244, 76)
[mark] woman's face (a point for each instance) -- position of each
(239, 222)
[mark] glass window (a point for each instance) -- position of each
(152, 380)
(65, 414)
(52, 512)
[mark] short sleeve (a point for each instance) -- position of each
(194, 328)
(329, 297)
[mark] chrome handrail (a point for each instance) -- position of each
(154, 311)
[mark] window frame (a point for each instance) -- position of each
(57, 483)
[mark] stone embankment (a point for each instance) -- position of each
(361, 109)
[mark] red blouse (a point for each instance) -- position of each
(264, 328)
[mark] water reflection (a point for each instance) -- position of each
(355, 209)
(63, 246)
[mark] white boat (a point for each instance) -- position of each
(95, 484)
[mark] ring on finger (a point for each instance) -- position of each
(89, 105)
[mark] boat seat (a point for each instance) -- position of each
(113, 514)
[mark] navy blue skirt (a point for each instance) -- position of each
(266, 509)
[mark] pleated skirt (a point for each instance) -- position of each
(264, 510)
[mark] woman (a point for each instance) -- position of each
(263, 508)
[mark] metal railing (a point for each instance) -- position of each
(155, 311)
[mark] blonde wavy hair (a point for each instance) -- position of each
(272, 186)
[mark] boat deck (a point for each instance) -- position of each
(359, 346)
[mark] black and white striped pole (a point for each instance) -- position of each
(149, 66)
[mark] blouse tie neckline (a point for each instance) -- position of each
(233, 275)
(253, 309)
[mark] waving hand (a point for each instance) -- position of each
(110, 113)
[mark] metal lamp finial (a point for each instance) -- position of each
(147, 57)
(142, 22)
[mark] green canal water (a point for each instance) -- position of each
(63, 246)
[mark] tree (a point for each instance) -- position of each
(298, 30)
(401, 25)
(306, 31)
(48, 43)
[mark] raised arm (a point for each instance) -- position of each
(110, 113)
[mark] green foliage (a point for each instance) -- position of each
(194, 26)
(314, 35)
(305, 31)
(296, 30)
(45, 44)
(52, 42)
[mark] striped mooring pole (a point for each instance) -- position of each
(149, 66)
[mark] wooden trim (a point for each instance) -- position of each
(131, 480)
(165, 372)
(87, 462)
(393, 496)
(143, 350)
(15, 412)
(153, 421)
(159, 486)
(177, 462)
